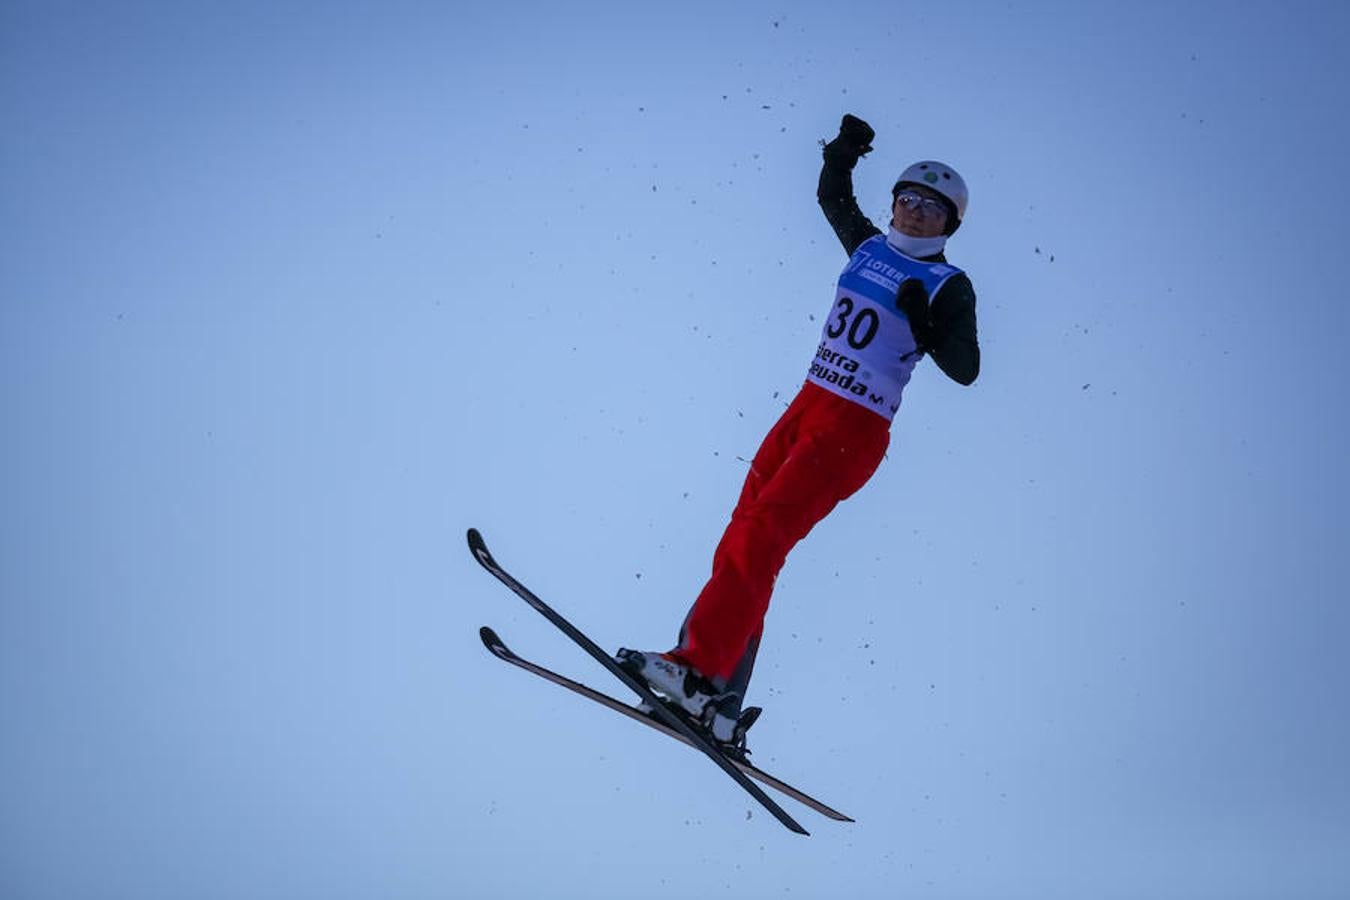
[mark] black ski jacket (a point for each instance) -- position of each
(955, 347)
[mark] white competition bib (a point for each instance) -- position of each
(867, 350)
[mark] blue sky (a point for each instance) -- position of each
(293, 294)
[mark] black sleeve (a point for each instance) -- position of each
(956, 347)
(835, 195)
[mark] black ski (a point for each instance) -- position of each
(671, 720)
(504, 653)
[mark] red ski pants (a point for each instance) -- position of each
(821, 451)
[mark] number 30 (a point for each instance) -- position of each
(861, 330)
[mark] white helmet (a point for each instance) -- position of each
(941, 178)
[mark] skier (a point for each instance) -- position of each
(835, 432)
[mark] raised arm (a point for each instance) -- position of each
(835, 190)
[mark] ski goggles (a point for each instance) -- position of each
(919, 203)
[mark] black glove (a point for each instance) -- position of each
(854, 141)
(912, 300)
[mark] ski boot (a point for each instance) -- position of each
(728, 723)
(685, 688)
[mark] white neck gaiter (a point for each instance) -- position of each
(917, 247)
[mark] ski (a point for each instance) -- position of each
(480, 551)
(499, 649)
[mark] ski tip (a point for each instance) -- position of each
(492, 642)
(478, 547)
